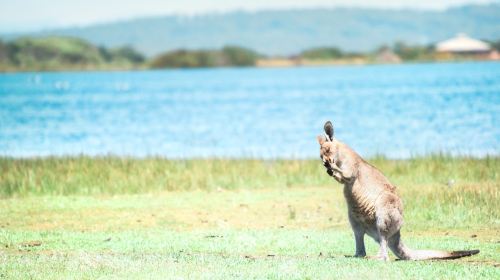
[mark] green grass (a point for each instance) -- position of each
(112, 175)
(88, 218)
(276, 254)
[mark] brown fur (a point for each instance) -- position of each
(374, 207)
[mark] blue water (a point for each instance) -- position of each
(395, 110)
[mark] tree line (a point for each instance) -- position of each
(66, 53)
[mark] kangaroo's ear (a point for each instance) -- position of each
(321, 139)
(329, 130)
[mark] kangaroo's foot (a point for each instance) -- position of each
(382, 252)
(379, 258)
(360, 253)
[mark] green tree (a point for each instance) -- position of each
(238, 56)
(4, 53)
(494, 44)
(323, 53)
(129, 54)
(228, 56)
(407, 52)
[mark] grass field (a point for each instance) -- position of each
(88, 218)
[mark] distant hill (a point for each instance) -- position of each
(63, 53)
(291, 31)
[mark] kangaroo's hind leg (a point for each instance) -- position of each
(382, 251)
(384, 232)
(398, 248)
(359, 237)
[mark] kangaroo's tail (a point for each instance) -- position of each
(405, 253)
(440, 255)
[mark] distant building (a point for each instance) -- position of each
(462, 44)
(386, 55)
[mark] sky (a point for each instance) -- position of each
(33, 15)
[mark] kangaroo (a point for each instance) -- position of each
(374, 208)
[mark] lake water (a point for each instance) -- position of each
(394, 110)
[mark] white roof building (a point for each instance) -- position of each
(462, 43)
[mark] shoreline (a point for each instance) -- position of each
(271, 64)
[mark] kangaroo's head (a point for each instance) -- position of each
(328, 147)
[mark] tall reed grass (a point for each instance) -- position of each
(112, 175)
